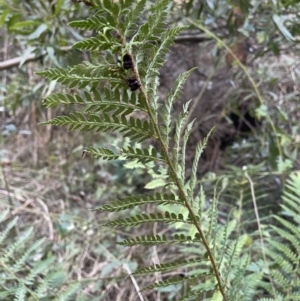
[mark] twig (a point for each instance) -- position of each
(127, 269)
(32, 57)
(259, 229)
(6, 186)
(47, 218)
(18, 209)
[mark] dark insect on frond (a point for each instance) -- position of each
(127, 61)
(133, 83)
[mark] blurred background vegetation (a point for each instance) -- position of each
(46, 183)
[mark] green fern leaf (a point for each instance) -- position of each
(52, 280)
(81, 75)
(20, 241)
(167, 39)
(113, 101)
(199, 150)
(94, 44)
(3, 215)
(133, 128)
(103, 153)
(8, 227)
(133, 201)
(146, 218)
(191, 296)
(20, 293)
(141, 155)
(184, 144)
(68, 293)
(167, 266)
(155, 240)
(288, 237)
(173, 95)
(21, 261)
(38, 268)
(132, 16)
(144, 240)
(125, 5)
(284, 250)
(170, 281)
(181, 121)
(55, 99)
(96, 22)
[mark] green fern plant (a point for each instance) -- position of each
(28, 271)
(284, 247)
(129, 57)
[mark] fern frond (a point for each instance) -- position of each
(65, 77)
(9, 226)
(115, 22)
(191, 296)
(126, 5)
(150, 30)
(171, 281)
(286, 235)
(142, 155)
(94, 44)
(167, 266)
(81, 75)
(234, 249)
(113, 101)
(173, 95)
(103, 153)
(184, 144)
(157, 239)
(167, 40)
(53, 279)
(132, 201)
(147, 218)
(146, 240)
(20, 241)
(134, 128)
(248, 286)
(21, 261)
(178, 128)
(3, 215)
(132, 16)
(199, 150)
(38, 268)
(20, 293)
(283, 249)
(68, 293)
(95, 22)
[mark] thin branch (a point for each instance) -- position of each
(192, 38)
(260, 230)
(127, 269)
(32, 57)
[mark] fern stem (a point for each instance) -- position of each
(180, 185)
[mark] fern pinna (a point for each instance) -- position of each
(29, 269)
(127, 66)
